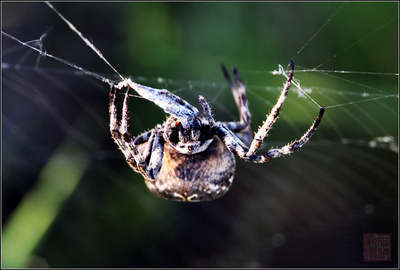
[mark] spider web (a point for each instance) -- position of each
(62, 170)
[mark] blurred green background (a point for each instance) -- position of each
(70, 200)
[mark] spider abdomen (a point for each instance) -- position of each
(199, 177)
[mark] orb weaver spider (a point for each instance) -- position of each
(191, 156)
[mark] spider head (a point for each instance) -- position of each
(188, 136)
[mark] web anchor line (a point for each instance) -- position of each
(66, 62)
(90, 44)
(126, 81)
(360, 101)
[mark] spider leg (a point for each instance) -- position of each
(157, 152)
(142, 138)
(206, 110)
(271, 118)
(232, 142)
(297, 144)
(120, 133)
(236, 146)
(164, 99)
(239, 94)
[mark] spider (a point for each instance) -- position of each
(191, 157)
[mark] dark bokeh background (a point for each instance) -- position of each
(70, 200)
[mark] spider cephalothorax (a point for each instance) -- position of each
(191, 157)
(186, 138)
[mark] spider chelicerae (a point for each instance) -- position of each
(191, 157)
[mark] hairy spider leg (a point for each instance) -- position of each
(235, 145)
(239, 94)
(156, 143)
(142, 138)
(273, 115)
(294, 146)
(211, 120)
(233, 87)
(170, 103)
(207, 110)
(125, 132)
(126, 143)
(120, 133)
